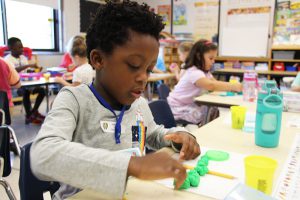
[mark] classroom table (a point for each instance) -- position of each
(216, 99)
(40, 82)
(157, 77)
(211, 136)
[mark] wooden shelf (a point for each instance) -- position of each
(286, 47)
(268, 72)
(254, 59)
(285, 60)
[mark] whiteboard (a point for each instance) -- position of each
(246, 27)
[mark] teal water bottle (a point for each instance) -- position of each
(268, 115)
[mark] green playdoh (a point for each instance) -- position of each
(194, 178)
(201, 170)
(217, 155)
(186, 184)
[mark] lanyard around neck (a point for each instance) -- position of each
(106, 105)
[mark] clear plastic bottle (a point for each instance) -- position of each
(249, 86)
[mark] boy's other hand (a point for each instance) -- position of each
(157, 166)
(190, 148)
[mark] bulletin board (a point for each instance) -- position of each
(246, 27)
(196, 17)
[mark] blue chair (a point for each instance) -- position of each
(163, 91)
(5, 167)
(162, 113)
(31, 187)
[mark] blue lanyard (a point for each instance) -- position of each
(118, 119)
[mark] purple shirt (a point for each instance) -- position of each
(185, 91)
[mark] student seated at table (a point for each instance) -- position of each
(296, 83)
(84, 73)
(197, 79)
(79, 141)
(184, 49)
(67, 61)
(21, 64)
(9, 78)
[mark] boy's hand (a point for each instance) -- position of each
(190, 148)
(157, 166)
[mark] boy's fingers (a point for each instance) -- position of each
(179, 175)
(184, 150)
(174, 137)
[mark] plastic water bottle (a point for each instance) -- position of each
(268, 115)
(249, 86)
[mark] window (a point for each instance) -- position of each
(34, 24)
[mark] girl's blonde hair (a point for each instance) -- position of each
(185, 47)
(75, 41)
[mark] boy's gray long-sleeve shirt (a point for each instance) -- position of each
(73, 148)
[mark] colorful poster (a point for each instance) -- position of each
(287, 23)
(206, 19)
(179, 14)
(165, 12)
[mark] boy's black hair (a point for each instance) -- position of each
(12, 41)
(196, 55)
(114, 21)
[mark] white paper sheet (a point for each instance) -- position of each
(214, 186)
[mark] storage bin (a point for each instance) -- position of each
(290, 68)
(289, 55)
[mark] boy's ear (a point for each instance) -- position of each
(97, 58)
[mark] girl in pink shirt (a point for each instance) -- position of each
(196, 80)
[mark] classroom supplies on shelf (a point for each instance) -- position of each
(268, 115)
(288, 183)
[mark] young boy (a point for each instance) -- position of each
(21, 63)
(78, 143)
(84, 73)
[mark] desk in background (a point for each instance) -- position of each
(157, 77)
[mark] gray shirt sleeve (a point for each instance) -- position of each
(54, 157)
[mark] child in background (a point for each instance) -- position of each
(84, 73)
(196, 79)
(9, 78)
(184, 49)
(67, 61)
(79, 143)
(296, 83)
(21, 63)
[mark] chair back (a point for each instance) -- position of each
(163, 91)
(4, 151)
(4, 107)
(162, 113)
(30, 186)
